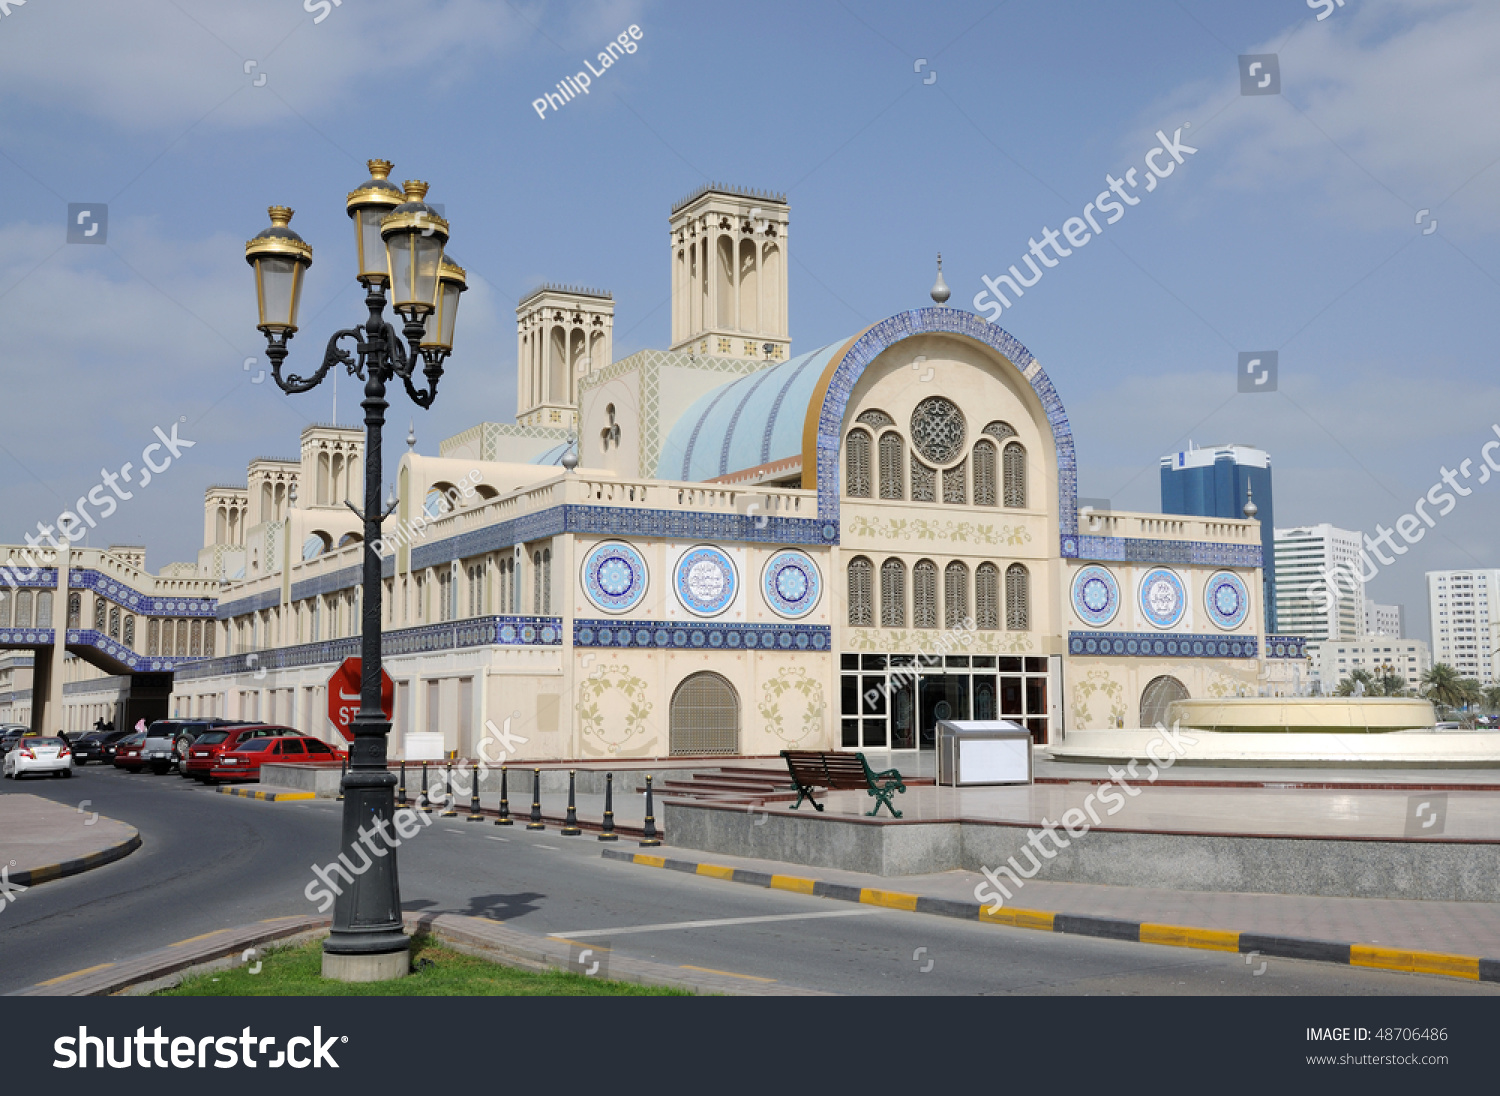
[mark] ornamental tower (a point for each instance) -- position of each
(563, 333)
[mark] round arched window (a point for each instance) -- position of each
(938, 430)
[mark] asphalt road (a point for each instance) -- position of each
(211, 861)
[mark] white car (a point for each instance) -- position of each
(38, 754)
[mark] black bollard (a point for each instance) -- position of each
(504, 819)
(343, 772)
(570, 824)
(402, 800)
(536, 801)
(451, 810)
(609, 809)
(648, 835)
(423, 801)
(474, 815)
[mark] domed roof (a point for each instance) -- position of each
(750, 421)
(553, 455)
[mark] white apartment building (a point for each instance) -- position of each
(1463, 607)
(1307, 602)
(1334, 660)
(1382, 620)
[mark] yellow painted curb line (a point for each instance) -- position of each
(268, 797)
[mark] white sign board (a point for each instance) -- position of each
(994, 760)
(423, 746)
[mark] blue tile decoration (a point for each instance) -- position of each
(1226, 599)
(266, 599)
(791, 584)
(1157, 645)
(1096, 595)
(505, 631)
(1148, 550)
(674, 635)
(615, 577)
(953, 321)
(88, 637)
(706, 581)
(26, 637)
(42, 578)
(1286, 646)
(1163, 598)
(126, 597)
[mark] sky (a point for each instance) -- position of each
(1344, 216)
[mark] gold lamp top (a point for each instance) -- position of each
(279, 240)
(414, 215)
(377, 190)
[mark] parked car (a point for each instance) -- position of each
(9, 733)
(244, 761)
(204, 753)
(112, 740)
(38, 754)
(167, 738)
(92, 746)
(127, 752)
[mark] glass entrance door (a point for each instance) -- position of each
(941, 696)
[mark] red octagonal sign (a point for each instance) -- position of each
(343, 695)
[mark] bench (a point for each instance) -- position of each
(841, 772)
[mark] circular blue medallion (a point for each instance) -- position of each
(791, 584)
(1163, 598)
(614, 577)
(1096, 595)
(1226, 599)
(706, 581)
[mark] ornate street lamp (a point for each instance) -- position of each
(399, 242)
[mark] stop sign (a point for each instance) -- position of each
(343, 695)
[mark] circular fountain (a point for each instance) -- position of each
(1304, 715)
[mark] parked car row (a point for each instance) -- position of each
(237, 752)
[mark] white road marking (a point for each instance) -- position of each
(552, 847)
(669, 926)
(490, 837)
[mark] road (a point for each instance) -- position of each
(211, 861)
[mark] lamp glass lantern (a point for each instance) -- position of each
(452, 281)
(280, 259)
(414, 238)
(368, 205)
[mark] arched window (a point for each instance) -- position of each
(955, 595)
(861, 602)
(536, 583)
(893, 594)
(23, 609)
(987, 597)
(984, 474)
(705, 717)
(153, 637)
(44, 609)
(857, 465)
(923, 482)
(182, 636)
(892, 475)
(1014, 461)
(999, 430)
(195, 643)
(129, 636)
(924, 599)
(954, 493)
(5, 608)
(99, 609)
(114, 624)
(1157, 697)
(1017, 598)
(546, 581)
(75, 610)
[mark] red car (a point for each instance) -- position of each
(128, 753)
(244, 761)
(205, 751)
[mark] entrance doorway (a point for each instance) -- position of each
(896, 701)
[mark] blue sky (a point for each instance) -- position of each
(1294, 227)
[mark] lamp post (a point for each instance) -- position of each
(399, 242)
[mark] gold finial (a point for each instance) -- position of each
(379, 169)
(281, 216)
(416, 190)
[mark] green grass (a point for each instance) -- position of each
(442, 972)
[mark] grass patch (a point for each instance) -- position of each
(439, 972)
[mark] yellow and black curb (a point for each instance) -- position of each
(262, 794)
(1144, 932)
(32, 876)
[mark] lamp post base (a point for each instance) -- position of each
(383, 967)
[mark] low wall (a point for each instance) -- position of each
(323, 781)
(1393, 749)
(1455, 871)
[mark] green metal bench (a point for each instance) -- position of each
(841, 772)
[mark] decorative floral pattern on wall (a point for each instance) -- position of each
(939, 641)
(613, 710)
(920, 529)
(794, 706)
(1097, 682)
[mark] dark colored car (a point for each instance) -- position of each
(9, 732)
(204, 753)
(244, 761)
(96, 746)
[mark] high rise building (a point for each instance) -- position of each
(1307, 602)
(1216, 482)
(1465, 611)
(1382, 620)
(1333, 660)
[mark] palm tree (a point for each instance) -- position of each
(1363, 677)
(1443, 686)
(1390, 684)
(1492, 698)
